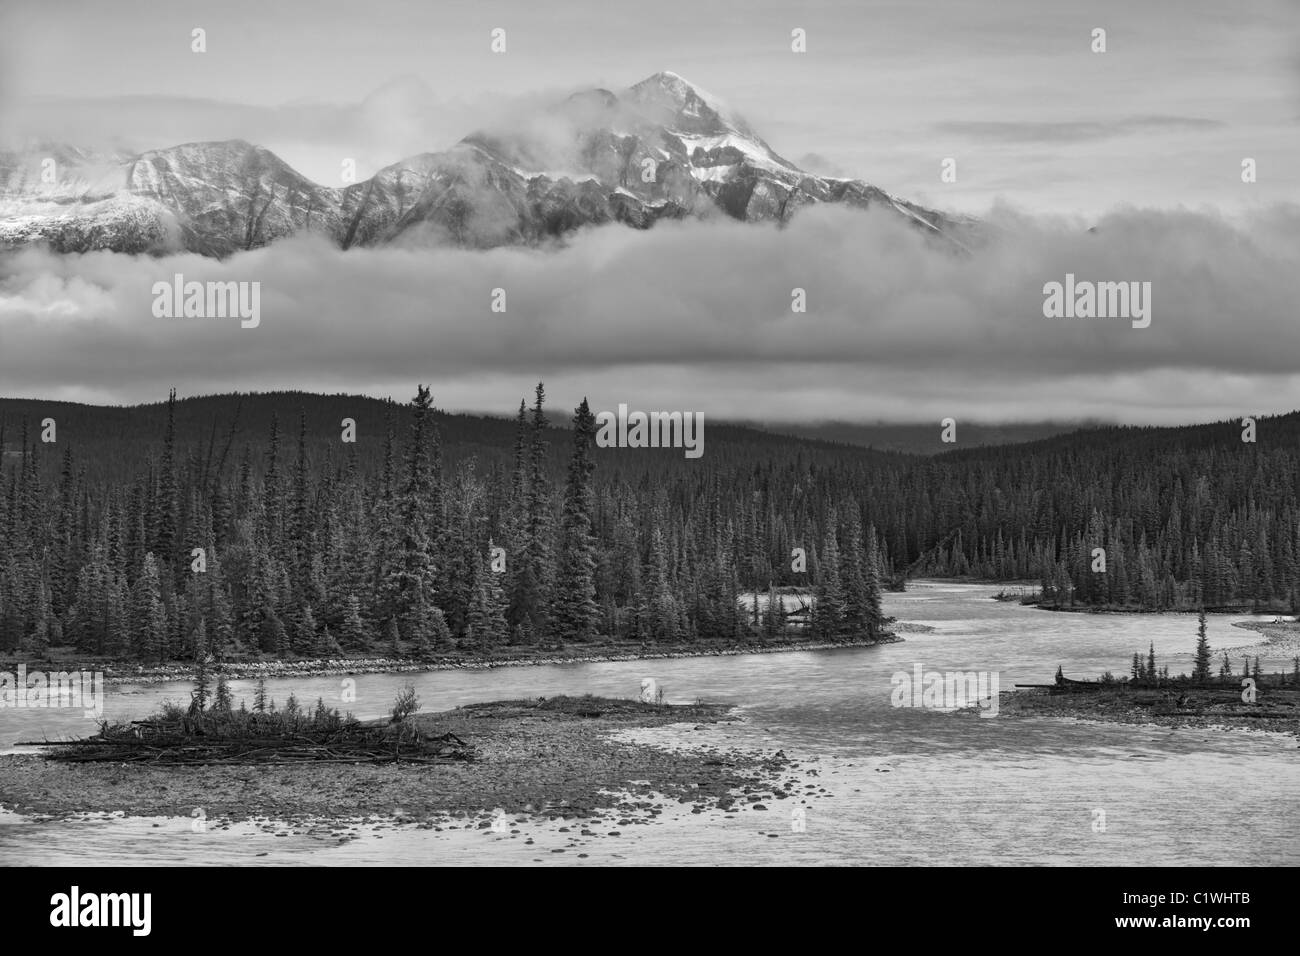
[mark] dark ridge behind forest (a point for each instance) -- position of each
(920, 438)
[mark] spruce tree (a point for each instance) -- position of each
(326, 645)
(828, 607)
(460, 545)
(439, 632)
(774, 618)
(301, 548)
(540, 521)
(661, 617)
(408, 580)
(148, 616)
(858, 615)
(518, 581)
(353, 634)
(221, 700)
(423, 649)
(875, 616)
(1201, 672)
(303, 639)
(62, 560)
(272, 637)
(201, 681)
(574, 610)
(164, 538)
(487, 614)
(272, 494)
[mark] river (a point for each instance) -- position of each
(905, 786)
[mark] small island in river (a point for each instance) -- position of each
(465, 768)
(1268, 703)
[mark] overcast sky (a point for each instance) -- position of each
(1144, 141)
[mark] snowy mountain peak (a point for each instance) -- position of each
(675, 102)
(673, 85)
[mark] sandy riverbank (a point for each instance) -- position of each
(557, 759)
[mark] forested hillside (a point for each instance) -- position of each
(432, 531)
(313, 545)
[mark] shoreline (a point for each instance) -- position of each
(1279, 637)
(1105, 609)
(118, 674)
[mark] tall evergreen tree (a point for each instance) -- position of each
(164, 544)
(828, 608)
(774, 616)
(538, 533)
(575, 613)
(1201, 671)
(148, 615)
(408, 580)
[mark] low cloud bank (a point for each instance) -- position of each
(697, 316)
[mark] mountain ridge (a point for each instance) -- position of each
(662, 149)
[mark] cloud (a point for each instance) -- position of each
(821, 166)
(1072, 131)
(697, 316)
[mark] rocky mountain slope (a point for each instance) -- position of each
(660, 149)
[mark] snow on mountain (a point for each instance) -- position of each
(671, 101)
(663, 148)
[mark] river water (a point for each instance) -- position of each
(903, 786)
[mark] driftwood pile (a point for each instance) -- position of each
(200, 743)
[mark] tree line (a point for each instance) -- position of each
(1184, 518)
(520, 533)
(286, 552)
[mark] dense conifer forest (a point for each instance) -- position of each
(247, 524)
